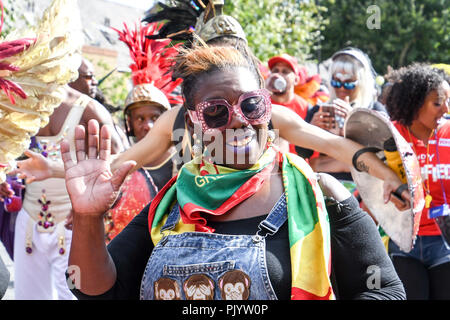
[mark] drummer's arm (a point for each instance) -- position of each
(297, 131)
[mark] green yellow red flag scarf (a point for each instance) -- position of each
(205, 187)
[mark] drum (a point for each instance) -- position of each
(373, 129)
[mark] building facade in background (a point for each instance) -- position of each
(101, 44)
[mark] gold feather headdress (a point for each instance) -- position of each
(34, 74)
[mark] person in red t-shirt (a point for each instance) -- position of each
(417, 101)
(286, 66)
(284, 76)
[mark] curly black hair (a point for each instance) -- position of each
(410, 86)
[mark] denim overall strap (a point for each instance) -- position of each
(172, 219)
(275, 219)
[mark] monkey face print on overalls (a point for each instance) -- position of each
(207, 266)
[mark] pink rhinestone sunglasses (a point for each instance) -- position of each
(253, 108)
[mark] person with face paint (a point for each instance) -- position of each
(417, 100)
(351, 85)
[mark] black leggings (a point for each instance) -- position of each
(422, 283)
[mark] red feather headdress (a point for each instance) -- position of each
(9, 49)
(152, 59)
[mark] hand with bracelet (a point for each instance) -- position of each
(393, 188)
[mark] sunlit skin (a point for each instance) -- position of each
(92, 185)
(142, 117)
(324, 119)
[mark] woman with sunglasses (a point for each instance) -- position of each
(351, 84)
(417, 100)
(240, 221)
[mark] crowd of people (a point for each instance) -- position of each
(228, 179)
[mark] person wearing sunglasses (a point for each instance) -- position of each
(417, 100)
(227, 227)
(351, 85)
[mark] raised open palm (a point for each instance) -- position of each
(91, 185)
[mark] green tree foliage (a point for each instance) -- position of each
(115, 86)
(273, 27)
(409, 30)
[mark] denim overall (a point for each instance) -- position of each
(198, 265)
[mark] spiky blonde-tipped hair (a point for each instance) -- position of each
(192, 63)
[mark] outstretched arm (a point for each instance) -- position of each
(297, 131)
(38, 168)
(92, 189)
